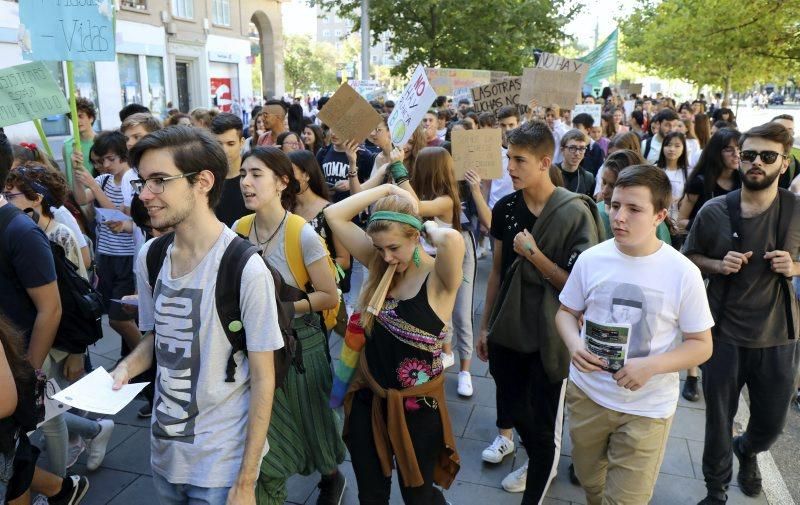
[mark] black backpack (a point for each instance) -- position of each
(81, 305)
(227, 298)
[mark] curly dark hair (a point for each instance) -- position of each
(33, 179)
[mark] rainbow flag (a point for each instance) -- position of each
(348, 360)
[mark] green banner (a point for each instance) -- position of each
(602, 61)
(29, 92)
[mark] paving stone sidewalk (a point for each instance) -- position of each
(125, 476)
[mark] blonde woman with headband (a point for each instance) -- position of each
(396, 406)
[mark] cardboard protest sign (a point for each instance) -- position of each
(477, 150)
(75, 30)
(490, 97)
(551, 87)
(409, 110)
(497, 75)
(552, 61)
(625, 84)
(29, 92)
(348, 115)
(449, 81)
(594, 110)
(635, 89)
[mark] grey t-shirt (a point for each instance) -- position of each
(754, 311)
(311, 242)
(199, 420)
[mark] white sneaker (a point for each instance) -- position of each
(464, 384)
(96, 447)
(448, 360)
(515, 481)
(500, 448)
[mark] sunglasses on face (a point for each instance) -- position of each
(767, 157)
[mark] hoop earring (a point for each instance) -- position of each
(416, 257)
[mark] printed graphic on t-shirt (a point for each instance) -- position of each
(335, 171)
(177, 323)
(631, 304)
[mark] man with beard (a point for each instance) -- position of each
(748, 242)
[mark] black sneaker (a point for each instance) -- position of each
(749, 476)
(331, 489)
(146, 411)
(572, 477)
(690, 391)
(711, 500)
(80, 485)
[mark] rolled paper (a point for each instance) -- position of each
(376, 302)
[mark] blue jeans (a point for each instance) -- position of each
(6, 471)
(187, 494)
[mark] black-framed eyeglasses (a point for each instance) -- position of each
(156, 184)
(575, 149)
(10, 196)
(767, 157)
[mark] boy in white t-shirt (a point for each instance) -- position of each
(638, 297)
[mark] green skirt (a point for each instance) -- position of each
(305, 434)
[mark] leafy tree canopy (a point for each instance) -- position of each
(726, 43)
(480, 34)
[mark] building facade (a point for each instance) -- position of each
(187, 53)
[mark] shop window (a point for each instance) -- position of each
(155, 86)
(129, 79)
(139, 5)
(58, 124)
(221, 12)
(183, 9)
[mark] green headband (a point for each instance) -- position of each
(388, 215)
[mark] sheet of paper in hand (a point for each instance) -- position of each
(349, 115)
(607, 341)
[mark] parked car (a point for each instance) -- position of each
(776, 99)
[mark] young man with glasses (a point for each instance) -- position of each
(115, 244)
(208, 434)
(748, 243)
(573, 149)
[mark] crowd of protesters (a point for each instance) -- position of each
(248, 248)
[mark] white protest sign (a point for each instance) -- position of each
(595, 110)
(629, 106)
(409, 110)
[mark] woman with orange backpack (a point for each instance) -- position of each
(304, 433)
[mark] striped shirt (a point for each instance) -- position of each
(108, 242)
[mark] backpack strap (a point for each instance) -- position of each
(293, 247)
(647, 145)
(733, 202)
(785, 213)
(244, 225)
(228, 297)
(156, 255)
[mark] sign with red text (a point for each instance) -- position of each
(411, 107)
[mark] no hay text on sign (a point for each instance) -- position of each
(67, 30)
(552, 61)
(348, 115)
(490, 97)
(409, 110)
(27, 92)
(479, 151)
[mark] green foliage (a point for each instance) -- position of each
(725, 43)
(308, 65)
(481, 34)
